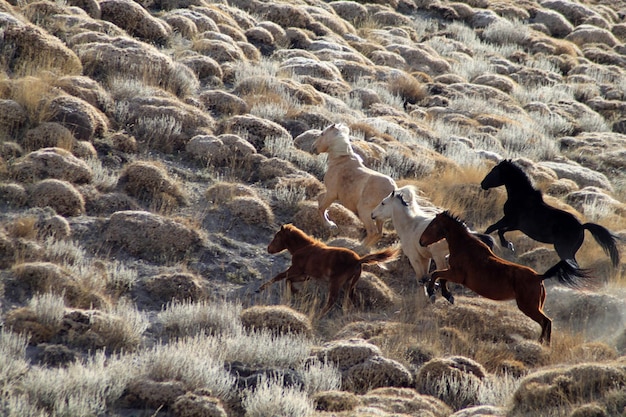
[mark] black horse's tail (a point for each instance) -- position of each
(568, 273)
(605, 239)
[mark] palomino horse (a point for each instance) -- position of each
(525, 210)
(475, 266)
(348, 181)
(311, 258)
(410, 221)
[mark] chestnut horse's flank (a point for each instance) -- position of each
(311, 258)
(348, 181)
(474, 265)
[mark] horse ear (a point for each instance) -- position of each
(400, 197)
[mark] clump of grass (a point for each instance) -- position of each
(187, 318)
(272, 397)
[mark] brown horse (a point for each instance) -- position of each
(474, 265)
(311, 258)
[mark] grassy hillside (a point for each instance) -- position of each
(150, 150)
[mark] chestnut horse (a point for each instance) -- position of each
(410, 220)
(474, 265)
(348, 181)
(310, 258)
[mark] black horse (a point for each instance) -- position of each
(525, 210)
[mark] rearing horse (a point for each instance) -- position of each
(347, 180)
(476, 267)
(526, 210)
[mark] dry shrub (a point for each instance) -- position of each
(51, 163)
(142, 393)
(149, 182)
(455, 380)
(531, 353)
(551, 390)
(150, 236)
(23, 227)
(136, 20)
(307, 218)
(226, 150)
(26, 49)
(86, 89)
(466, 198)
(12, 194)
(594, 352)
(277, 319)
(47, 277)
(372, 294)
(408, 88)
(81, 118)
(347, 353)
(181, 286)
(405, 401)
(254, 129)
(375, 372)
(13, 118)
(224, 192)
(48, 135)
(60, 195)
(251, 210)
(24, 320)
(193, 405)
(335, 401)
(485, 319)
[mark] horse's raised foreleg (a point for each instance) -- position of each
(323, 203)
(502, 226)
(278, 277)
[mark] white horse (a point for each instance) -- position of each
(410, 221)
(348, 181)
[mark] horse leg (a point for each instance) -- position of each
(323, 202)
(278, 277)
(333, 293)
(567, 248)
(502, 226)
(445, 291)
(531, 306)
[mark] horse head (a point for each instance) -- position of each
(494, 178)
(383, 210)
(335, 140)
(435, 230)
(279, 243)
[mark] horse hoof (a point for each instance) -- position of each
(432, 298)
(510, 246)
(450, 299)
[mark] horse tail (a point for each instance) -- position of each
(606, 239)
(386, 255)
(568, 273)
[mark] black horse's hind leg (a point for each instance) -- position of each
(567, 246)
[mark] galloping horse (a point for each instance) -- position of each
(410, 221)
(525, 210)
(348, 181)
(475, 266)
(311, 258)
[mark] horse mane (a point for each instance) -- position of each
(340, 144)
(411, 201)
(296, 233)
(456, 219)
(523, 176)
